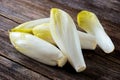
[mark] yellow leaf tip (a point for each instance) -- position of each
(54, 10)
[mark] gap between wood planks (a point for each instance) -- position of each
(24, 66)
(9, 18)
(11, 70)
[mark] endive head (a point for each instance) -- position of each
(64, 33)
(37, 49)
(42, 31)
(28, 26)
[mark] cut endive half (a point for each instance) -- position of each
(89, 22)
(37, 49)
(28, 26)
(65, 34)
(42, 31)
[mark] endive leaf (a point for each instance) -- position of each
(28, 26)
(89, 22)
(65, 35)
(87, 41)
(42, 31)
(37, 49)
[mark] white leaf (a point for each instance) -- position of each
(89, 22)
(37, 49)
(65, 35)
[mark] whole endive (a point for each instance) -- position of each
(37, 49)
(89, 22)
(65, 35)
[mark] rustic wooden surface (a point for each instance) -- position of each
(100, 66)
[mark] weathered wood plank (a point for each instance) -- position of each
(100, 66)
(18, 12)
(6, 24)
(10, 70)
(106, 9)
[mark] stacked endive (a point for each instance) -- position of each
(55, 40)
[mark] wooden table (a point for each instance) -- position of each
(100, 66)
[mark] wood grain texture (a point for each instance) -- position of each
(9, 70)
(100, 66)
